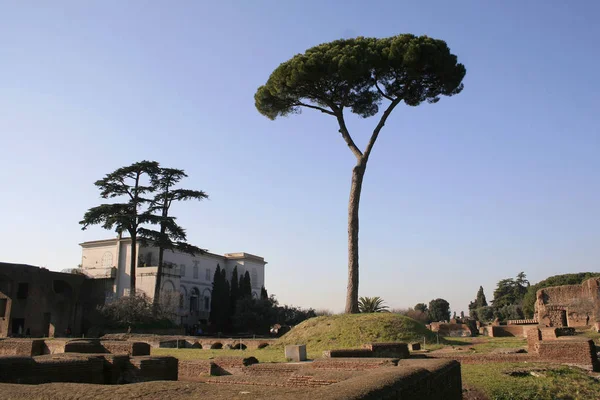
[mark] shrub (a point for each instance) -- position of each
(136, 311)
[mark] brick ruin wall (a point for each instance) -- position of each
(569, 305)
(448, 329)
(531, 321)
(191, 342)
(378, 350)
(345, 378)
(21, 347)
(36, 370)
(549, 345)
(578, 352)
(411, 380)
(151, 368)
(505, 331)
(362, 377)
(86, 368)
(395, 350)
(107, 346)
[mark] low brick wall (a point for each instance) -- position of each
(85, 346)
(548, 333)
(46, 369)
(522, 322)
(107, 346)
(149, 368)
(506, 331)
(232, 365)
(353, 364)
(440, 381)
(447, 329)
(193, 370)
(129, 348)
(534, 336)
(576, 351)
(395, 350)
(21, 347)
(272, 369)
(345, 353)
(54, 346)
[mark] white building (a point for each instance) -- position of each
(185, 277)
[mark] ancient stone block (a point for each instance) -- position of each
(295, 352)
(415, 346)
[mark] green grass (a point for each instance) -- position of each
(353, 330)
(556, 382)
(500, 343)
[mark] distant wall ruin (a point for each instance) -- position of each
(569, 305)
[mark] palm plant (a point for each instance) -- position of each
(372, 305)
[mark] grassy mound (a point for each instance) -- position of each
(353, 330)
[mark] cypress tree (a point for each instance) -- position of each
(215, 296)
(263, 294)
(235, 288)
(480, 301)
(245, 286)
(225, 304)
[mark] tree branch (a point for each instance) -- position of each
(380, 125)
(381, 92)
(346, 135)
(315, 107)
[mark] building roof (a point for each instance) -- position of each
(229, 256)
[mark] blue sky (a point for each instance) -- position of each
(499, 179)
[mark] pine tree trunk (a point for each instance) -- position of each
(159, 267)
(358, 173)
(133, 261)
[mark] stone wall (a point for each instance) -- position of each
(446, 329)
(395, 350)
(578, 352)
(505, 331)
(38, 370)
(37, 302)
(411, 380)
(150, 368)
(21, 347)
(194, 370)
(107, 346)
(353, 364)
(569, 305)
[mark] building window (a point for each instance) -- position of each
(3, 303)
(207, 303)
(194, 298)
(148, 259)
(107, 261)
(195, 272)
(182, 270)
(254, 278)
(23, 290)
(207, 276)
